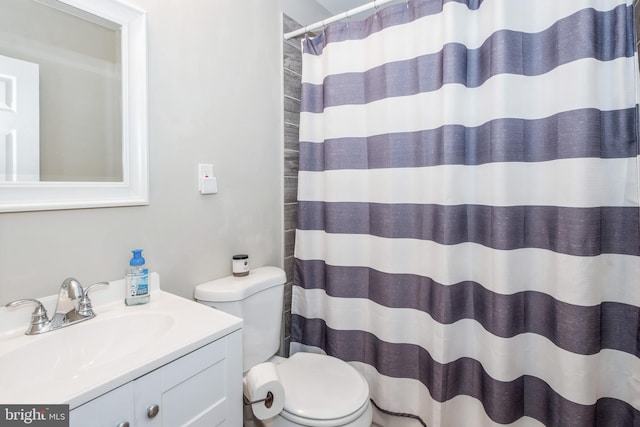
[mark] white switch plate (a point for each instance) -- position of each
(207, 183)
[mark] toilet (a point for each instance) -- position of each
(319, 390)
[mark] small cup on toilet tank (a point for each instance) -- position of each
(240, 265)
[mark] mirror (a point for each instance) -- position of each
(73, 105)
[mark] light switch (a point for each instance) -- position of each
(207, 183)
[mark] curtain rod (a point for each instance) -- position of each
(339, 17)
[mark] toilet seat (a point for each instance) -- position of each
(307, 422)
(322, 391)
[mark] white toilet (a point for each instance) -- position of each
(319, 390)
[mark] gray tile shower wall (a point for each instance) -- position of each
(292, 66)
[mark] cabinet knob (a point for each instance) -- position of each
(123, 424)
(153, 410)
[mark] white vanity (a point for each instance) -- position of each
(171, 362)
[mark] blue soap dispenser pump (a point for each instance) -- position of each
(137, 280)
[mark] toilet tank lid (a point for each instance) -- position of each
(232, 288)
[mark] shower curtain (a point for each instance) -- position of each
(468, 227)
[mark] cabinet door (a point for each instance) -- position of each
(147, 395)
(194, 388)
(117, 407)
(86, 415)
(109, 410)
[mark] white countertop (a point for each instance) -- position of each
(83, 361)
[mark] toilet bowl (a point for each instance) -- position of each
(319, 390)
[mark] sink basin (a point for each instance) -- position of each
(68, 354)
(80, 362)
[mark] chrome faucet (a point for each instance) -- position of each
(66, 308)
(73, 306)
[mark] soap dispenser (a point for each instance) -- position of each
(137, 280)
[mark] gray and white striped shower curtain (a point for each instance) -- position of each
(468, 228)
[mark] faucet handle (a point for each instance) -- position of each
(88, 288)
(39, 319)
(84, 306)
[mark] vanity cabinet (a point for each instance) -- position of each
(201, 388)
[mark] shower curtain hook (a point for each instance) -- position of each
(324, 25)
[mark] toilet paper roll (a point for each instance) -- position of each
(261, 380)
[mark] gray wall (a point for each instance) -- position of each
(215, 91)
(292, 70)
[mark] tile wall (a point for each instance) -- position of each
(292, 66)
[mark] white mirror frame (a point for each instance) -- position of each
(134, 189)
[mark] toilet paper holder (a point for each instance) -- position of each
(268, 401)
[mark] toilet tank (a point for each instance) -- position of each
(257, 299)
